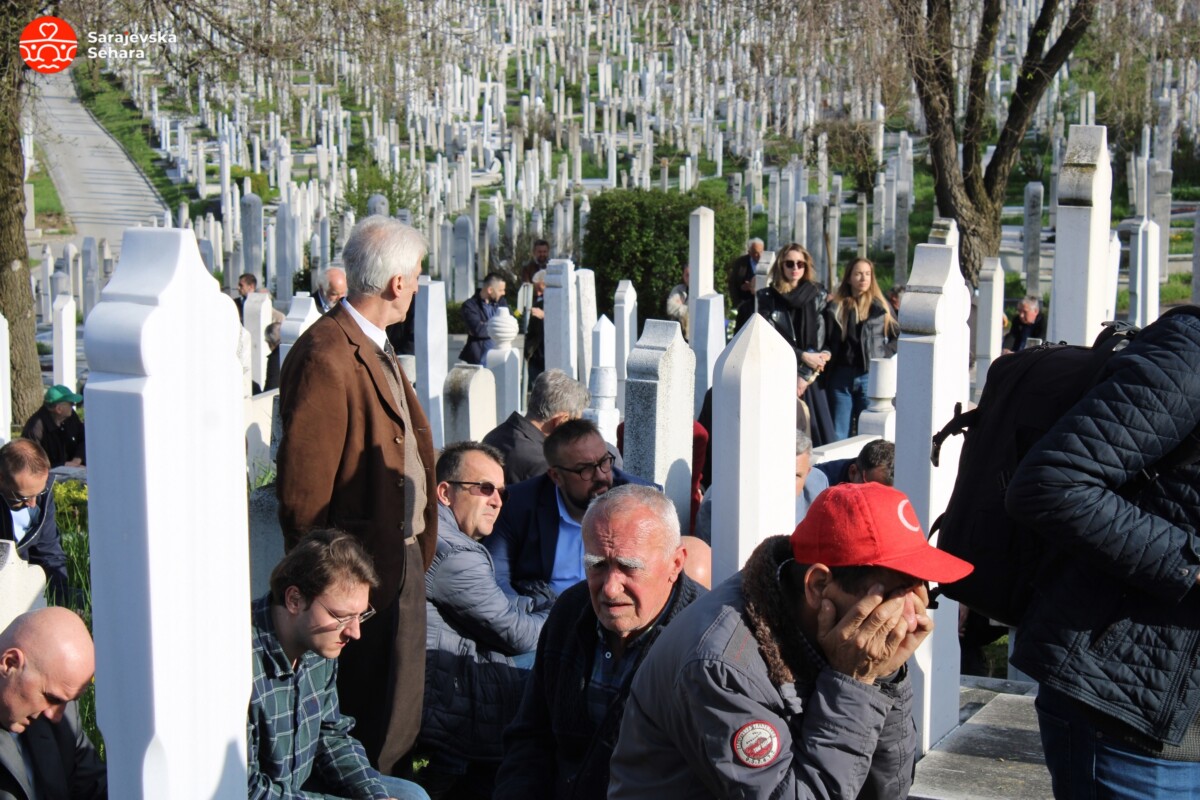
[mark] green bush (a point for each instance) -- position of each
(454, 319)
(642, 236)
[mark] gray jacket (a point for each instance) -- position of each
(472, 688)
(708, 718)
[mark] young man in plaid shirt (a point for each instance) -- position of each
(299, 742)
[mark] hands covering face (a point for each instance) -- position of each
(877, 634)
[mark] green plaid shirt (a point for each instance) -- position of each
(295, 728)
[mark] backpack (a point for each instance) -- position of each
(1025, 394)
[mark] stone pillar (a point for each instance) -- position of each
(602, 384)
(900, 235)
(585, 320)
(46, 285)
(989, 334)
(1081, 249)
(157, 543)
(252, 237)
(561, 345)
(1159, 200)
(431, 342)
(63, 319)
(816, 237)
(302, 313)
(1033, 242)
(934, 348)
(505, 362)
(1144, 246)
(862, 222)
(753, 484)
(90, 257)
(700, 260)
(464, 259)
(879, 417)
(625, 310)
(256, 316)
(658, 438)
(708, 342)
(470, 393)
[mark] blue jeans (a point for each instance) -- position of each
(1086, 764)
(402, 789)
(847, 390)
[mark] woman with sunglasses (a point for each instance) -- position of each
(861, 327)
(794, 303)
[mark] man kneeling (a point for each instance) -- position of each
(298, 739)
(789, 679)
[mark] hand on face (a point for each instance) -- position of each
(876, 635)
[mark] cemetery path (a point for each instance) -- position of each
(102, 191)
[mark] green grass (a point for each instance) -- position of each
(103, 95)
(47, 205)
(1177, 289)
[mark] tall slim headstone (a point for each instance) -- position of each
(1032, 235)
(753, 485)
(257, 313)
(701, 239)
(431, 341)
(252, 237)
(1081, 246)
(1144, 246)
(163, 331)
(658, 426)
(505, 362)
(585, 320)
(934, 347)
(625, 310)
(464, 259)
(602, 384)
(988, 323)
(900, 235)
(562, 348)
(63, 319)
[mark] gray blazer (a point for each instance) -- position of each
(64, 761)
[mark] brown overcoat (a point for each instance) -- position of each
(341, 464)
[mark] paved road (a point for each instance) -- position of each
(102, 191)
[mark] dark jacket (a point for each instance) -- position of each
(64, 762)
(271, 379)
(526, 534)
(472, 688)
(876, 338)
(737, 657)
(552, 748)
(42, 546)
(61, 443)
(476, 312)
(1019, 332)
(792, 322)
(1115, 623)
(521, 443)
(740, 270)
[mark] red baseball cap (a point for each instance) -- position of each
(869, 524)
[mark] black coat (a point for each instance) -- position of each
(803, 327)
(521, 443)
(41, 546)
(552, 748)
(1116, 624)
(876, 338)
(61, 443)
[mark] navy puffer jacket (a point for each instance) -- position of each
(1117, 624)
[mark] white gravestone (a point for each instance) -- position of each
(625, 311)
(754, 406)
(90, 259)
(700, 261)
(303, 312)
(470, 393)
(256, 316)
(1032, 235)
(46, 286)
(22, 585)
(1078, 288)
(162, 332)
(585, 320)
(431, 342)
(252, 236)
(63, 318)
(464, 259)
(560, 321)
(659, 392)
(708, 342)
(989, 334)
(934, 349)
(878, 419)
(602, 383)
(1143, 272)
(505, 362)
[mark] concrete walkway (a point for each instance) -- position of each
(102, 191)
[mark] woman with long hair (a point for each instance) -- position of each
(794, 303)
(861, 327)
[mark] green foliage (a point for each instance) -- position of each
(642, 236)
(454, 318)
(397, 188)
(1177, 289)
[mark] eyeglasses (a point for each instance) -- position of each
(342, 622)
(588, 471)
(479, 488)
(19, 501)
(790, 264)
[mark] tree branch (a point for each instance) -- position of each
(977, 97)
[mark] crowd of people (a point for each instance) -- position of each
(520, 618)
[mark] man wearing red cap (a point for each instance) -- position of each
(789, 678)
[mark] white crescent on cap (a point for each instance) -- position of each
(915, 527)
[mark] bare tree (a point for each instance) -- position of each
(970, 194)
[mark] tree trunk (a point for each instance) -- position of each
(16, 297)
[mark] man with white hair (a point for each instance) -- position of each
(357, 455)
(331, 288)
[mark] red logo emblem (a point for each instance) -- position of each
(48, 44)
(756, 744)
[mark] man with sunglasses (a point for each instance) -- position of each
(480, 640)
(25, 483)
(298, 740)
(538, 541)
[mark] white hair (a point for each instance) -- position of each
(621, 498)
(379, 248)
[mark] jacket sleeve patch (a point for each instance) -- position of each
(756, 744)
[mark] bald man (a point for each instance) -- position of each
(46, 663)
